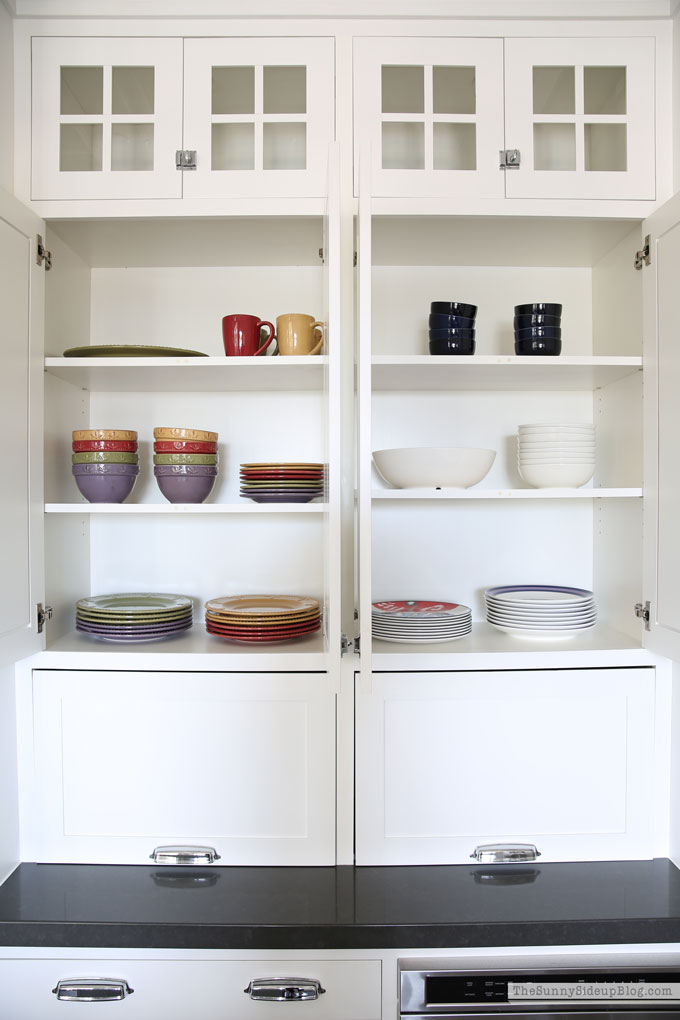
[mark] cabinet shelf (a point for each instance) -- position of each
(185, 508)
(178, 375)
(493, 372)
(467, 494)
(481, 649)
(198, 650)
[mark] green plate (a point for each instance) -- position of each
(185, 458)
(104, 457)
(135, 602)
(153, 616)
(130, 351)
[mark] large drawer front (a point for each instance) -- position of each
(175, 990)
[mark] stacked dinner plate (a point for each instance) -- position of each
(411, 621)
(556, 455)
(277, 482)
(134, 616)
(257, 619)
(540, 610)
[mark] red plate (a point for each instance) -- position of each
(249, 639)
(104, 445)
(281, 474)
(183, 446)
(258, 634)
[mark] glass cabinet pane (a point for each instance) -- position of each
(284, 146)
(80, 147)
(553, 89)
(132, 146)
(233, 147)
(403, 146)
(605, 147)
(82, 90)
(455, 147)
(554, 147)
(284, 89)
(233, 90)
(403, 89)
(132, 90)
(604, 90)
(453, 90)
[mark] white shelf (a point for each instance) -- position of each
(202, 375)
(185, 508)
(498, 372)
(473, 493)
(480, 650)
(198, 650)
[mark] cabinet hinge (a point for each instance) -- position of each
(642, 611)
(348, 644)
(321, 255)
(44, 614)
(185, 159)
(508, 159)
(42, 254)
(643, 256)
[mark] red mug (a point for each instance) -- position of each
(241, 335)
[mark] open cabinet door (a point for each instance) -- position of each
(22, 289)
(364, 448)
(333, 566)
(661, 578)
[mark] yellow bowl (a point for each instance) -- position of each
(89, 434)
(196, 434)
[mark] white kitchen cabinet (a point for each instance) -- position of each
(436, 113)
(558, 758)
(170, 989)
(127, 761)
(251, 117)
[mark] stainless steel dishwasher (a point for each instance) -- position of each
(585, 986)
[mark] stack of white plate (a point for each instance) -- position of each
(540, 610)
(556, 455)
(413, 621)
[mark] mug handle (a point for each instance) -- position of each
(269, 339)
(320, 326)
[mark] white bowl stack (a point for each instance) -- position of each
(561, 456)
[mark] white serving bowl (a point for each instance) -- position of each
(438, 467)
(548, 476)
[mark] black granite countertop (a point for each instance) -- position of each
(123, 906)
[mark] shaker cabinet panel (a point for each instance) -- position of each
(259, 114)
(106, 118)
(581, 113)
(429, 115)
(558, 758)
(125, 762)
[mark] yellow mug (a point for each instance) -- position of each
(299, 334)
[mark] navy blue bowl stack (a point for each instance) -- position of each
(538, 328)
(452, 327)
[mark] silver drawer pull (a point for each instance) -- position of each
(284, 989)
(185, 855)
(505, 853)
(92, 990)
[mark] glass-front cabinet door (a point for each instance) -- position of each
(430, 113)
(259, 114)
(581, 114)
(107, 118)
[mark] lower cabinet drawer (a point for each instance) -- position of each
(178, 989)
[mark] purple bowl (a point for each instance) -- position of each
(452, 334)
(539, 333)
(106, 469)
(185, 488)
(185, 470)
(451, 322)
(453, 308)
(105, 488)
(539, 308)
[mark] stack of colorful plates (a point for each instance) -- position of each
(411, 621)
(134, 617)
(275, 482)
(105, 463)
(262, 618)
(540, 610)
